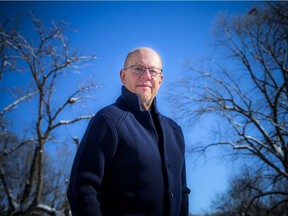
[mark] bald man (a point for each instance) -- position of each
(131, 158)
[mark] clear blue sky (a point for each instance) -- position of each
(177, 30)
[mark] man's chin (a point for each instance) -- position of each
(145, 93)
(145, 97)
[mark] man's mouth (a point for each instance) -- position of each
(144, 86)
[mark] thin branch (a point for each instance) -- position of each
(67, 122)
(263, 195)
(16, 102)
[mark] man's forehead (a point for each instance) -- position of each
(145, 56)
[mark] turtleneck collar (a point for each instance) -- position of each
(132, 101)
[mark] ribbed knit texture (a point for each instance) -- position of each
(129, 163)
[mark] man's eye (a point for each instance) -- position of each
(138, 69)
(153, 71)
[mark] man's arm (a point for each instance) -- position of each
(185, 193)
(92, 158)
(185, 189)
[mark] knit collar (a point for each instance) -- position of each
(132, 101)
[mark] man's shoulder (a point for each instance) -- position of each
(169, 121)
(110, 108)
(113, 112)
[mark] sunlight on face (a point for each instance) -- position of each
(146, 86)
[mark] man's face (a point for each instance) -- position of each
(145, 85)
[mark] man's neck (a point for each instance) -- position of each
(147, 105)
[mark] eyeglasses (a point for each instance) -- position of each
(140, 70)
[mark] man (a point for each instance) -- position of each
(131, 158)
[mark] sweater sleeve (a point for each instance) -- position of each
(185, 193)
(185, 189)
(92, 159)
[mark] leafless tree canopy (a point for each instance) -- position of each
(248, 98)
(36, 60)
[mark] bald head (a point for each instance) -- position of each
(142, 51)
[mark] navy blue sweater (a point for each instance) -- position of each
(129, 162)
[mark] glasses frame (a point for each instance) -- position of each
(145, 68)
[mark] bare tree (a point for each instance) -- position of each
(39, 59)
(249, 98)
(247, 183)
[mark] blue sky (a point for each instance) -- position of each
(177, 30)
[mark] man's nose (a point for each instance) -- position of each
(146, 74)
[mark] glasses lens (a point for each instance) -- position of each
(138, 70)
(154, 71)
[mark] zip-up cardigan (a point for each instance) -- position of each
(129, 164)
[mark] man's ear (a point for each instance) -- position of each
(161, 79)
(122, 76)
